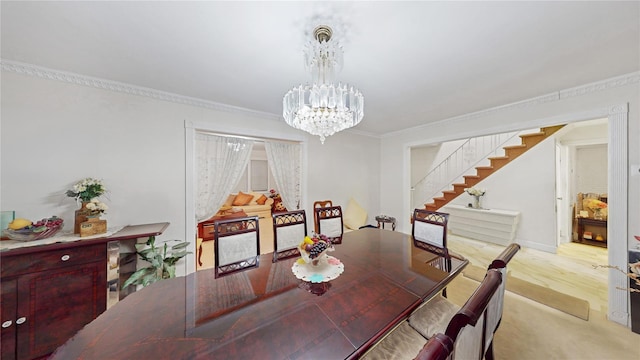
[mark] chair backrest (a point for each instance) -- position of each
(467, 327)
(237, 245)
(289, 229)
(429, 231)
(330, 222)
(495, 308)
(319, 204)
(439, 347)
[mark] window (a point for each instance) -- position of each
(259, 170)
(257, 176)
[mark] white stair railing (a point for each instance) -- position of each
(452, 169)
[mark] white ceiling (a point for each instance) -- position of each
(415, 62)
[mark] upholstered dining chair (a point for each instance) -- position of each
(289, 229)
(433, 316)
(429, 231)
(494, 310)
(439, 347)
(237, 245)
(330, 222)
(319, 204)
(467, 327)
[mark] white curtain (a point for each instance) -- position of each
(285, 161)
(220, 162)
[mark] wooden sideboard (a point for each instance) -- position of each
(49, 292)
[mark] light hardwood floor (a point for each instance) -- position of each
(570, 271)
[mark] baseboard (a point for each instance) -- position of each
(542, 247)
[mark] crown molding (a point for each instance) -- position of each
(78, 79)
(618, 81)
(98, 83)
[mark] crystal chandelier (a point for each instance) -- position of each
(324, 107)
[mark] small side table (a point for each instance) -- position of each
(383, 219)
(596, 227)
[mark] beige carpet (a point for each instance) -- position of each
(557, 300)
(532, 331)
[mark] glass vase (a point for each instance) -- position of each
(476, 202)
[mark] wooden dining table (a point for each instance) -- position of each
(268, 313)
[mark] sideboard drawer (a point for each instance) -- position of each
(52, 259)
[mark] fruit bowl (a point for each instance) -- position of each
(49, 228)
(315, 259)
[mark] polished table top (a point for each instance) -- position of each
(267, 313)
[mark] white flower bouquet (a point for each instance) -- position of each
(87, 189)
(97, 207)
(474, 191)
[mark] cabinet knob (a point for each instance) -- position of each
(65, 257)
(6, 324)
(21, 320)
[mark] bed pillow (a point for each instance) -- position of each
(242, 199)
(354, 215)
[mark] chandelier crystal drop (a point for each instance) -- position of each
(324, 107)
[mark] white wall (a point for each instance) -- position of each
(422, 161)
(527, 185)
(347, 165)
(395, 146)
(56, 133)
(591, 169)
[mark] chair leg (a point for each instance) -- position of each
(489, 354)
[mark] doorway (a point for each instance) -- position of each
(581, 168)
(575, 144)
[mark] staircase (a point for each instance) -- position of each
(482, 172)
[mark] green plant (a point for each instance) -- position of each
(162, 263)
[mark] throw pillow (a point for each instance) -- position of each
(261, 200)
(354, 215)
(242, 199)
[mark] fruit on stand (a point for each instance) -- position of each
(19, 223)
(312, 247)
(24, 229)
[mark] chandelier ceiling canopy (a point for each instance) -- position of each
(324, 107)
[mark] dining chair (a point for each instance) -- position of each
(319, 204)
(496, 305)
(289, 229)
(467, 327)
(439, 347)
(401, 342)
(237, 245)
(463, 335)
(432, 317)
(429, 232)
(330, 222)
